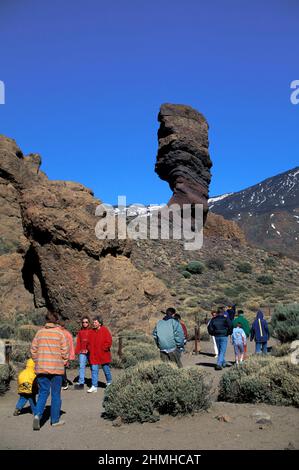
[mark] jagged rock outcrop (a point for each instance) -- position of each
(183, 158)
(56, 259)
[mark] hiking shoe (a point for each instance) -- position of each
(78, 386)
(36, 424)
(92, 389)
(218, 367)
(59, 423)
(16, 412)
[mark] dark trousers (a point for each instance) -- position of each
(174, 356)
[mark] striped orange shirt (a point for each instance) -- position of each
(49, 350)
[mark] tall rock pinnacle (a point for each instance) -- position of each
(183, 158)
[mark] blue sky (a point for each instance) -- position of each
(85, 79)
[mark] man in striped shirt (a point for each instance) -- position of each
(50, 352)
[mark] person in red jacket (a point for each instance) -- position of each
(82, 350)
(99, 345)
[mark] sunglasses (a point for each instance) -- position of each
(85, 321)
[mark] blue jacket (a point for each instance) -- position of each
(259, 329)
(169, 334)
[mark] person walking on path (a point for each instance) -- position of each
(82, 351)
(260, 333)
(169, 337)
(244, 325)
(99, 345)
(221, 327)
(50, 352)
(213, 313)
(238, 341)
(70, 342)
(27, 388)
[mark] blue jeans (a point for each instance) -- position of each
(95, 374)
(221, 342)
(261, 348)
(82, 365)
(47, 382)
(23, 400)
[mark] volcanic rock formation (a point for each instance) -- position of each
(183, 158)
(50, 255)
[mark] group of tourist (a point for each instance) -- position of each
(52, 348)
(170, 334)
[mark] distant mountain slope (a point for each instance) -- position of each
(268, 212)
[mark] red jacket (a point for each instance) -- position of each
(100, 342)
(82, 341)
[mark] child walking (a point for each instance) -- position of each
(27, 388)
(239, 342)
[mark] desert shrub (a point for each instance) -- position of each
(261, 380)
(27, 332)
(38, 318)
(285, 322)
(195, 267)
(215, 263)
(244, 267)
(6, 330)
(182, 267)
(21, 319)
(7, 373)
(186, 274)
(134, 336)
(280, 350)
(265, 279)
(221, 300)
(73, 327)
(20, 352)
(7, 246)
(235, 290)
(133, 353)
(270, 263)
(144, 392)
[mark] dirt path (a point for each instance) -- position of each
(85, 429)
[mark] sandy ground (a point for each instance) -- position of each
(85, 429)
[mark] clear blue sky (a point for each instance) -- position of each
(85, 79)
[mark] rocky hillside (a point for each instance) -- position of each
(267, 212)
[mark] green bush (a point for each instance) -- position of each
(280, 350)
(195, 267)
(6, 330)
(235, 290)
(186, 274)
(38, 318)
(285, 322)
(215, 263)
(265, 279)
(133, 353)
(270, 262)
(244, 268)
(144, 392)
(261, 380)
(21, 319)
(27, 332)
(7, 373)
(20, 352)
(73, 327)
